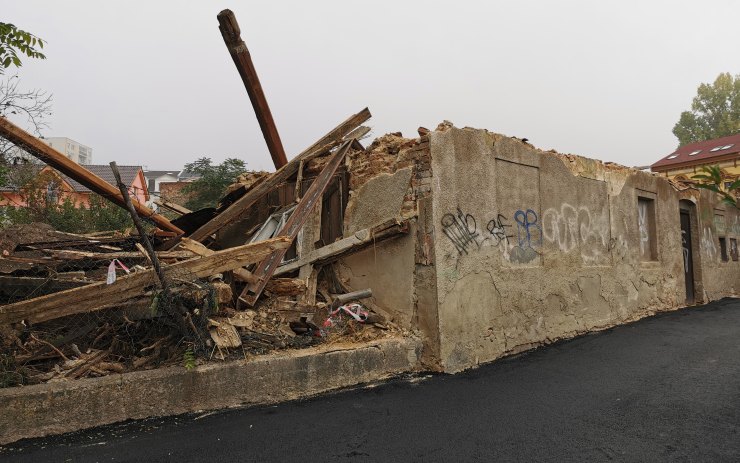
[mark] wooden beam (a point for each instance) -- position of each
(310, 275)
(98, 295)
(243, 61)
(286, 286)
(354, 243)
(176, 208)
(68, 167)
(293, 225)
(322, 146)
(69, 254)
(200, 250)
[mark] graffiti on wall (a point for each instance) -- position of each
(568, 227)
(573, 227)
(707, 243)
(529, 234)
(462, 230)
(642, 225)
(498, 229)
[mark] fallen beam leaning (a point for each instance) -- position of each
(323, 145)
(68, 167)
(350, 244)
(243, 61)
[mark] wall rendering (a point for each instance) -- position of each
(531, 247)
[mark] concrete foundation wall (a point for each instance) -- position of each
(531, 247)
(55, 408)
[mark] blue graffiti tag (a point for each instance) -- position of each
(527, 225)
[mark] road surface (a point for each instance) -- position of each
(665, 388)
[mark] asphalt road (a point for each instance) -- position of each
(662, 389)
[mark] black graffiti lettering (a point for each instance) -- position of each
(461, 229)
(497, 228)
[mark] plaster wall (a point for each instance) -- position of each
(531, 247)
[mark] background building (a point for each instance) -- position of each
(61, 187)
(167, 184)
(76, 151)
(688, 160)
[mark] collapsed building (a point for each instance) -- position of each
(503, 247)
(510, 247)
(477, 244)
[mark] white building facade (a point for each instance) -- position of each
(76, 151)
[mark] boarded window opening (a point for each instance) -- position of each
(646, 227)
(723, 248)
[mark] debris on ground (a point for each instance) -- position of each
(215, 284)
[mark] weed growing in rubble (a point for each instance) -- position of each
(188, 359)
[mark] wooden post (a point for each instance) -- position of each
(176, 314)
(243, 61)
(63, 164)
(140, 228)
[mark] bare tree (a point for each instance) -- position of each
(33, 107)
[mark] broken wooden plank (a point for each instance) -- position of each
(354, 243)
(293, 225)
(286, 286)
(310, 275)
(322, 146)
(243, 61)
(62, 163)
(97, 295)
(195, 247)
(176, 208)
(142, 251)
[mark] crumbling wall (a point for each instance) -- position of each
(717, 220)
(531, 247)
(393, 181)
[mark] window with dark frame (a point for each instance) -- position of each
(733, 249)
(723, 248)
(646, 228)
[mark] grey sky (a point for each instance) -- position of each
(152, 83)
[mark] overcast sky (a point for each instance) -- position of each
(151, 82)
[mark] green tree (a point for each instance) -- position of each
(711, 179)
(14, 41)
(213, 180)
(715, 111)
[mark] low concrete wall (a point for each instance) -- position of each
(56, 408)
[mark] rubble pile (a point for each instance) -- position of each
(81, 306)
(254, 274)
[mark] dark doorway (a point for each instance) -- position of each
(688, 261)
